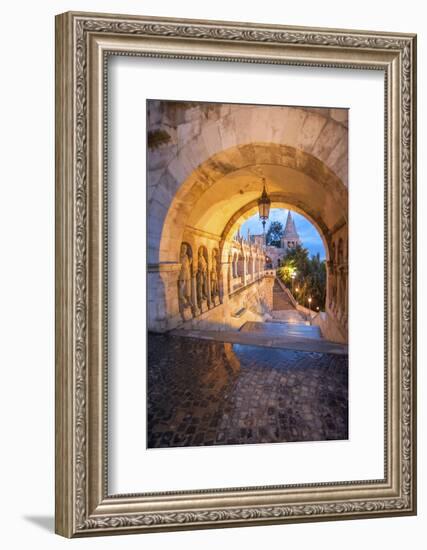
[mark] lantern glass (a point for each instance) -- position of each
(264, 204)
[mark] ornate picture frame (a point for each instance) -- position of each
(84, 42)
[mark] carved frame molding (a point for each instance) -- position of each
(83, 43)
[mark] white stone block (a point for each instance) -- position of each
(308, 134)
(212, 138)
(328, 139)
(289, 125)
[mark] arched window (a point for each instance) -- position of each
(251, 265)
(234, 265)
(240, 266)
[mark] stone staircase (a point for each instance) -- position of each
(291, 316)
(281, 301)
(288, 329)
(283, 309)
(271, 335)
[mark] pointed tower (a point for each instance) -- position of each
(290, 237)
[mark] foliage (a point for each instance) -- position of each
(286, 270)
(309, 277)
(274, 234)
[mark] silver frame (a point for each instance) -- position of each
(83, 43)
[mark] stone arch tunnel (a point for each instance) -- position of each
(206, 163)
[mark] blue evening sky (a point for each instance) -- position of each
(309, 235)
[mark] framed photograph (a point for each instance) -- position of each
(235, 274)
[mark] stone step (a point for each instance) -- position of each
(281, 341)
(281, 301)
(285, 330)
(239, 313)
(289, 316)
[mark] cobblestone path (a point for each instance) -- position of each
(214, 393)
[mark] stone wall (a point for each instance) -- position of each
(276, 254)
(330, 328)
(337, 269)
(215, 283)
(254, 302)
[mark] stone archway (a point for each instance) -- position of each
(278, 200)
(187, 142)
(229, 180)
(206, 212)
(206, 179)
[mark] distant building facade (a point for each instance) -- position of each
(289, 240)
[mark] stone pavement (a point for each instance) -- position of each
(282, 329)
(268, 335)
(217, 393)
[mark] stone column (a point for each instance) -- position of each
(228, 274)
(345, 289)
(224, 281)
(339, 293)
(195, 308)
(208, 284)
(329, 276)
(164, 311)
(244, 279)
(267, 284)
(334, 283)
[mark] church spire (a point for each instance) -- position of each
(290, 237)
(290, 229)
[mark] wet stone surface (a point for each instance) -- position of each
(213, 393)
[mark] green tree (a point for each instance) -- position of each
(304, 276)
(274, 234)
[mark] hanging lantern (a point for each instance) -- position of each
(264, 204)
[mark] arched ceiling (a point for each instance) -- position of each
(238, 190)
(229, 183)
